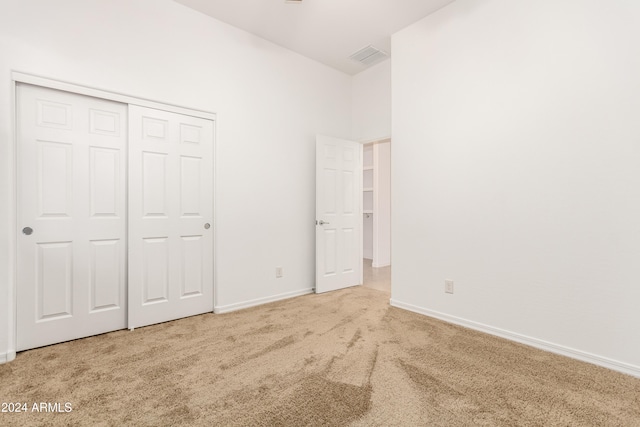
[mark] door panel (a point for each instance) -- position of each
(156, 270)
(106, 270)
(171, 201)
(190, 182)
(191, 266)
(105, 191)
(338, 214)
(71, 194)
(154, 184)
(55, 178)
(54, 280)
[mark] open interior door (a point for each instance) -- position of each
(338, 213)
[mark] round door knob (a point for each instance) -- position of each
(207, 226)
(27, 231)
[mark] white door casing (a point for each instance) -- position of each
(170, 216)
(338, 213)
(71, 193)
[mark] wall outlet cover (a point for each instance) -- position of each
(448, 286)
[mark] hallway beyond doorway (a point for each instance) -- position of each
(376, 278)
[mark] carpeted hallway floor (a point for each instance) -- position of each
(337, 359)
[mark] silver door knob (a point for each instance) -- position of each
(27, 231)
(322, 222)
(207, 226)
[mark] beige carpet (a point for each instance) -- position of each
(342, 358)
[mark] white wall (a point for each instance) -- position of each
(270, 104)
(516, 172)
(371, 109)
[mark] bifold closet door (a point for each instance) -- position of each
(71, 213)
(170, 216)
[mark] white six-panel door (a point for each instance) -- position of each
(170, 216)
(338, 213)
(71, 217)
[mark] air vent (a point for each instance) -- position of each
(369, 55)
(293, 1)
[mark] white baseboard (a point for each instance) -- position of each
(523, 339)
(7, 357)
(380, 265)
(251, 303)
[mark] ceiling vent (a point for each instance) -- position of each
(293, 1)
(369, 55)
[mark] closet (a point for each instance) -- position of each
(376, 202)
(114, 213)
(367, 200)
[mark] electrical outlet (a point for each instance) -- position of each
(279, 272)
(448, 286)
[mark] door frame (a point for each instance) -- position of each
(12, 172)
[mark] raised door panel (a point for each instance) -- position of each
(190, 186)
(329, 205)
(156, 270)
(54, 278)
(154, 129)
(105, 175)
(154, 184)
(55, 179)
(53, 114)
(348, 251)
(192, 266)
(104, 122)
(330, 246)
(190, 134)
(349, 203)
(106, 275)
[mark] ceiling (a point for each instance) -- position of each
(328, 31)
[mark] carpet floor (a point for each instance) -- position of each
(344, 358)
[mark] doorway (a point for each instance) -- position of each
(376, 202)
